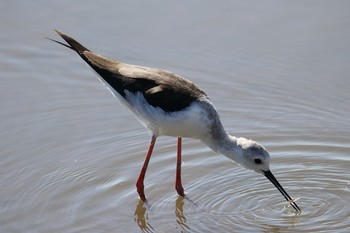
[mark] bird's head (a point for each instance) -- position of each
(255, 157)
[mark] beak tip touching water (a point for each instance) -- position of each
(273, 180)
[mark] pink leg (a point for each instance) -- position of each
(139, 183)
(178, 185)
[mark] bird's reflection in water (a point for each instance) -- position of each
(141, 217)
(180, 217)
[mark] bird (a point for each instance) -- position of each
(169, 104)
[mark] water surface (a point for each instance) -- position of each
(278, 73)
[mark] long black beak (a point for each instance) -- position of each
(273, 180)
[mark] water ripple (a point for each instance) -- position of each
(253, 204)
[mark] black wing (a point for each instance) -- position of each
(160, 88)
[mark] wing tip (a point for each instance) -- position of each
(72, 43)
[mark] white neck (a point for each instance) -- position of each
(225, 144)
(217, 137)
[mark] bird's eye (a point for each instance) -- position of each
(257, 161)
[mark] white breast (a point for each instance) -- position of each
(192, 122)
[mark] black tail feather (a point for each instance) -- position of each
(72, 44)
(58, 42)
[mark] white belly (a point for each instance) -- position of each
(191, 122)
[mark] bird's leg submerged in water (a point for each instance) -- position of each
(139, 183)
(178, 185)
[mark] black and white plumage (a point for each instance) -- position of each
(168, 104)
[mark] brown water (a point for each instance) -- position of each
(278, 73)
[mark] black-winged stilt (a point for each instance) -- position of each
(168, 104)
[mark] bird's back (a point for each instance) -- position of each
(160, 88)
(164, 102)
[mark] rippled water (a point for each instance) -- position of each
(70, 155)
